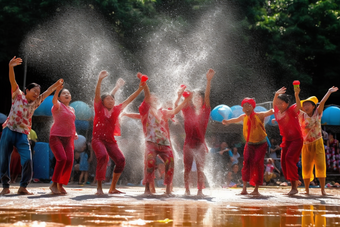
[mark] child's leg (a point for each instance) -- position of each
(292, 158)
(86, 176)
(118, 157)
(246, 168)
(81, 177)
(60, 156)
(307, 167)
(150, 164)
(257, 166)
(188, 158)
(24, 150)
(102, 160)
(165, 152)
(200, 161)
(320, 164)
(6, 149)
(68, 149)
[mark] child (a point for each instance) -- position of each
(103, 141)
(85, 159)
(233, 178)
(269, 172)
(234, 156)
(196, 117)
(62, 135)
(17, 126)
(313, 150)
(286, 116)
(256, 144)
(157, 138)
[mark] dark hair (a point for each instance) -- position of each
(200, 93)
(32, 85)
(286, 98)
(62, 91)
(103, 96)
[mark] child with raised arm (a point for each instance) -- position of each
(256, 144)
(286, 116)
(157, 138)
(313, 150)
(62, 135)
(103, 141)
(17, 127)
(196, 117)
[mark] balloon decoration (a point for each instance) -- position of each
(331, 116)
(270, 122)
(262, 109)
(3, 118)
(237, 110)
(82, 125)
(45, 107)
(79, 144)
(83, 111)
(220, 113)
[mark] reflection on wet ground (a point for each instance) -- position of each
(225, 208)
(173, 215)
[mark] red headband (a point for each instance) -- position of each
(250, 101)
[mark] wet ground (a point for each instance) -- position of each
(221, 207)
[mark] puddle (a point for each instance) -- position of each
(188, 214)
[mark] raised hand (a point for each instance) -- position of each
(15, 61)
(59, 88)
(281, 91)
(120, 83)
(210, 74)
(139, 75)
(333, 89)
(103, 74)
(180, 91)
(297, 90)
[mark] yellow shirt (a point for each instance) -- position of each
(257, 131)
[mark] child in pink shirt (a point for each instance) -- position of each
(103, 141)
(63, 132)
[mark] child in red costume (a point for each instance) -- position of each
(292, 141)
(103, 141)
(256, 144)
(196, 117)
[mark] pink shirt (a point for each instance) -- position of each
(63, 121)
(288, 124)
(195, 124)
(104, 122)
(310, 126)
(155, 130)
(20, 116)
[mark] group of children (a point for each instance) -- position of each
(195, 108)
(300, 127)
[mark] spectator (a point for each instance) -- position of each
(269, 174)
(234, 177)
(332, 153)
(234, 156)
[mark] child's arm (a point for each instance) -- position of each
(179, 95)
(134, 95)
(265, 114)
(120, 83)
(132, 115)
(147, 94)
(52, 88)
(297, 99)
(55, 101)
(181, 106)
(101, 76)
(210, 75)
(233, 120)
(324, 99)
(12, 63)
(277, 93)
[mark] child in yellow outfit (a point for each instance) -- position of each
(313, 150)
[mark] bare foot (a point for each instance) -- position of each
(255, 193)
(148, 193)
(187, 192)
(62, 189)
(293, 192)
(54, 188)
(200, 194)
(23, 191)
(323, 192)
(99, 192)
(168, 195)
(115, 191)
(5, 191)
(305, 193)
(244, 192)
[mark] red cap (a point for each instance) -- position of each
(144, 78)
(250, 101)
(296, 82)
(186, 94)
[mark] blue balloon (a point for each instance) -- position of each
(331, 116)
(220, 113)
(262, 109)
(271, 117)
(79, 144)
(237, 110)
(45, 107)
(82, 125)
(82, 110)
